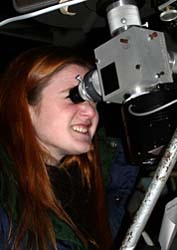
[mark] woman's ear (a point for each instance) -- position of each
(31, 112)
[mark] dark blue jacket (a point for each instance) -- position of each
(121, 183)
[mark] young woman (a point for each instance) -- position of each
(51, 190)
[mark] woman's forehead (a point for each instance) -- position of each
(66, 77)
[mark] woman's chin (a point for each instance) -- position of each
(84, 148)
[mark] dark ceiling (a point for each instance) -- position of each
(85, 28)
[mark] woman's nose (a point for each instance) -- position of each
(88, 108)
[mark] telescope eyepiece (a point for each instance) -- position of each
(75, 96)
(88, 88)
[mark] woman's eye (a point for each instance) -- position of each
(68, 96)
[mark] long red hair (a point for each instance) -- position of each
(21, 86)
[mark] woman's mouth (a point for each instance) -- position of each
(80, 129)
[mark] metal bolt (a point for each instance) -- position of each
(123, 20)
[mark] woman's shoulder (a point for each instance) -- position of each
(66, 245)
(4, 220)
(4, 231)
(4, 227)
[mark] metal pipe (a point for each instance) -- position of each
(154, 190)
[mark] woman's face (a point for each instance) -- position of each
(61, 126)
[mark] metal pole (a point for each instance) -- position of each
(154, 190)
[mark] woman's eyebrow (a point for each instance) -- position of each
(68, 88)
(65, 90)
